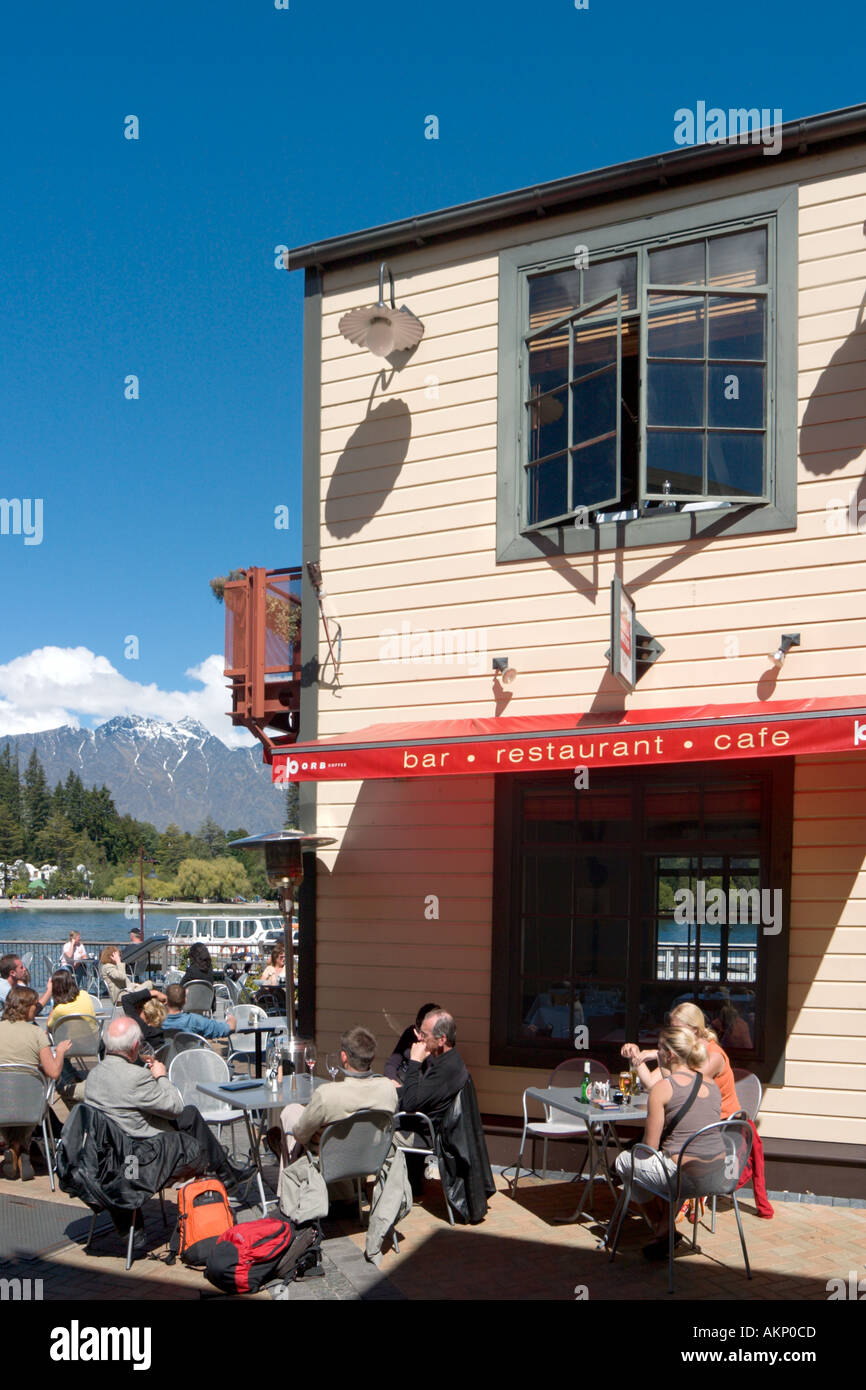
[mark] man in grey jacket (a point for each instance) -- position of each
(144, 1103)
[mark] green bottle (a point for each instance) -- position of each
(584, 1090)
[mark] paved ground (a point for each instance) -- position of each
(517, 1253)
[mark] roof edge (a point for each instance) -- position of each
(797, 138)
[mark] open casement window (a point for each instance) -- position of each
(572, 414)
(704, 365)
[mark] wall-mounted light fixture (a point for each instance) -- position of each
(789, 640)
(501, 668)
(382, 328)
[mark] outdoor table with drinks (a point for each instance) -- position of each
(593, 1102)
(262, 1096)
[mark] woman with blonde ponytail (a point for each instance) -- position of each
(681, 1102)
(716, 1067)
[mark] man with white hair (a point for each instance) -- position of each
(144, 1103)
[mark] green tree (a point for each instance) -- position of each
(196, 878)
(10, 847)
(57, 843)
(212, 878)
(100, 819)
(10, 783)
(37, 798)
(213, 836)
(73, 797)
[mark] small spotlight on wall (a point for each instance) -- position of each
(501, 668)
(789, 640)
(382, 328)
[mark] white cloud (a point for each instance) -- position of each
(68, 685)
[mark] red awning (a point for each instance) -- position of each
(540, 743)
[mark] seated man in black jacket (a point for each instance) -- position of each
(435, 1072)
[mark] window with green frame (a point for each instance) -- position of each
(647, 378)
(594, 937)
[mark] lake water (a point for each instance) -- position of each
(29, 924)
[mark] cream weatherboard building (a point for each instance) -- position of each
(655, 373)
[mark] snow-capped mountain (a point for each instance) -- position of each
(162, 772)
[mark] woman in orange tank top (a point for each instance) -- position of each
(717, 1066)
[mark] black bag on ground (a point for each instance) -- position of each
(256, 1253)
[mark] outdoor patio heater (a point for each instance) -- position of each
(284, 866)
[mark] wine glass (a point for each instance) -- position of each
(273, 1062)
(310, 1056)
(332, 1064)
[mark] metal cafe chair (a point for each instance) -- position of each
(196, 1064)
(430, 1151)
(200, 997)
(695, 1176)
(179, 1040)
(85, 1034)
(25, 1095)
(750, 1093)
(356, 1148)
(556, 1123)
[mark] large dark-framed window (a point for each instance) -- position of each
(618, 901)
(647, 379)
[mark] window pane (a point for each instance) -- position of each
(600, 948)
(601, 1006)
(619, 274)
(548, 361)
(736, 328)
(594, 407)
(677, 459)
(733, 811)
(548, 490)
(663, 877)
(549, 1009)
(549, 816)
(547, 885)
(551, 296)
(602, 884)
(594, 348)
(735, 465)
(675, 393)
(547, 947)
(673, 814)
(678, 265)
(677, 329)
(739, 260)
(736, 396)
(594, 477)
(604, 817)
(548, 424)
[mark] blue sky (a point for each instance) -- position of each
(155, 257)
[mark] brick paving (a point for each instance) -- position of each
(517, 1253)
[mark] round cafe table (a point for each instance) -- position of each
(263, 1098)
